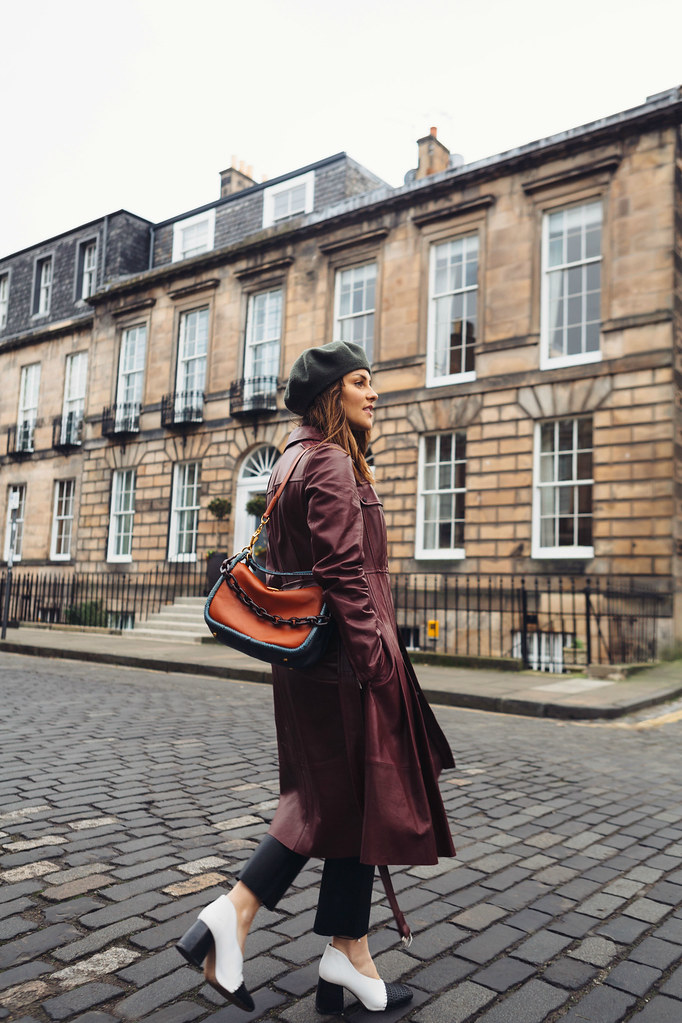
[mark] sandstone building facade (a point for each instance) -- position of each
(523, 315)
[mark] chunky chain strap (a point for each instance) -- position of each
(247, 557)
(226, 569)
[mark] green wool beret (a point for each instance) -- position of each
(317, 368)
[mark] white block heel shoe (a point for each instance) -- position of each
(213, 940)
(337, 972)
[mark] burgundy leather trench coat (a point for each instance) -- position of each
(360, 750)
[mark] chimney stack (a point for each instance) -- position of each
(235, 179)
(433, 155)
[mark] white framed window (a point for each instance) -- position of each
(131, 363)
(86, 280)
(193, 235)
(42, 295)
(354, 306)
(122, 515)
(62, 520)
(453, 311)
(562, 499)
(288, 198)
(29, 389)
(20, 490)
(571, 286)
(190, 377)
(442, 495)
(4, 300)
(263, 340)
(184, 522)
(75, 382)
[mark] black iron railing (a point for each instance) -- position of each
(547, 623)
(67, 431)
(121, 419)
(252, 395)
(106, 600)
(20, 439)
(182, 408)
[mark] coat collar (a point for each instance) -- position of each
(303, 433)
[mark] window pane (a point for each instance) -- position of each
(547, 496)
(547, 533)
(566, 532)
(585, 433)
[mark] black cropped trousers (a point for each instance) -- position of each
(345, 897)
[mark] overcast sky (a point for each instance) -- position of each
(139, 104)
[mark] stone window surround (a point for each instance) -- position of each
(436, 553)
(365, 312)
(344, 254)
(437, 227)
(21, 516)
(573, 552)
(464, 375)
(575, 186)
(255, 280)
(122, 329)
(548, 361)
(184, 363)
(176, 508)
(248, 346)
(134, 314)
(68, 494)
(118, 476)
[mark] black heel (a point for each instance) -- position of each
(195, 944)
(329, 998)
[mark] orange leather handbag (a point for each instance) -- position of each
(286, 627)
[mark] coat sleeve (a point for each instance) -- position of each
(336, 528)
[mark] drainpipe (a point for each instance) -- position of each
(105, 236)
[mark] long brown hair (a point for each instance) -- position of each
(328, 415)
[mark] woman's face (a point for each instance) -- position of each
(358, 398)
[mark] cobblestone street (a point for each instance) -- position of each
(129, 798)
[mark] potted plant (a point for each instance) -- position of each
(220, 508)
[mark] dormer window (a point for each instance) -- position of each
(193, 235)
(288, 199)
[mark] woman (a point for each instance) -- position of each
(359, 748)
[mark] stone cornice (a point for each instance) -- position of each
(459, 209)
(605, 166)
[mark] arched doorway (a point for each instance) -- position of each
(253, 480)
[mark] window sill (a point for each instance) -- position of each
(457, 378)
(179, 558)
(554, 553)
(456, 554)
(560, 362)
(121, 559)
